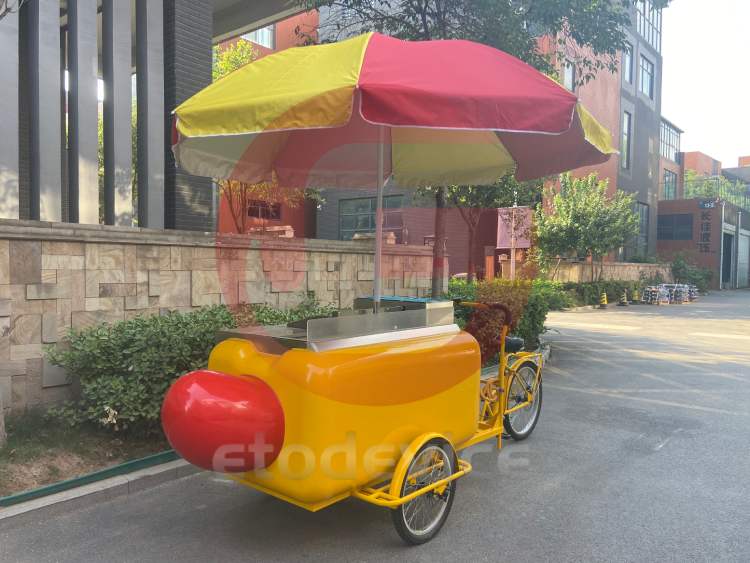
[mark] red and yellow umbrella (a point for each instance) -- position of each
(448, 112)
(355, 113)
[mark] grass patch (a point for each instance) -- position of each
(41, 451)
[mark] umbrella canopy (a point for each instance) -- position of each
(448, 112)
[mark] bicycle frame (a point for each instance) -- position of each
(494, 392)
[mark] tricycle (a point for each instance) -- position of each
(375, 404)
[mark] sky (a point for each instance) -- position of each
(706, 87)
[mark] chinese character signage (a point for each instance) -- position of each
(704, 242)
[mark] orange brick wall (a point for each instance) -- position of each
(701, 163)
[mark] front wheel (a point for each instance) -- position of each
(419, 520)
(520, 424)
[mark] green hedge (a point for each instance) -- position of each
(529, 303)
(126, 368)
(589, 293)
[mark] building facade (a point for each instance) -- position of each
(65, 84)
(708, 220)
(640, 122)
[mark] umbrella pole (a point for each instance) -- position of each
(377, 289)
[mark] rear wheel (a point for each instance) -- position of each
(520, 424)
(419, 520)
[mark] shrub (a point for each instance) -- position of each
(308, 308)
(554, 294)
(685, 271)
(465, 291)
(126, 368)
(589, 293)
(527, 306)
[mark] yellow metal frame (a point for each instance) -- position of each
(494, 397)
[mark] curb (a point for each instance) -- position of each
(581, 308)
(93, 493)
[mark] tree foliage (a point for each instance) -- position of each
(697, 185)
(583, 221)
(229, 57)
(594, 29)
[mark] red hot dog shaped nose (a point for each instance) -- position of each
(223, 423)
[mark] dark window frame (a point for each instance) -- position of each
(259, 209)
(626, 140)
(670, 185)
(393, 220)
(644, 215)
(675, 226)
(649, 23)
(647, 69)
(669, 141)
(627, 62)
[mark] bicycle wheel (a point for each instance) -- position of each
(419, 520)
(520, 424)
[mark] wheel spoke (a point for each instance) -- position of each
(523, 419)
(423, 513)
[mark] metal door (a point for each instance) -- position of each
(743, 261)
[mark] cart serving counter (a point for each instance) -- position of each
(371, 405)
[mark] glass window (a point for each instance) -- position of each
(647, 77)
(627, 63)
(569, 76)
(642, 241)
(648, 23)
(265, 36)
(358, 216)
(669, 141)
(627, 126)
(264, 210)
(675, 227)
(670, 185)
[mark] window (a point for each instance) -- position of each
(670, 185)
(648, 23)
(264, 210)
(627, 126)
(642, 240)
(265, 36)
(569, 76)
(627, 63)
(675, 227)
(647, 77)
(669, 141)
(358, 216)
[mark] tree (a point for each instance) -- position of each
(582, 220)
(229, 57)
(594, 29)
(473, 201)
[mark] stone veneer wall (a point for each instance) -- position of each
(54, 276)
(627, 271)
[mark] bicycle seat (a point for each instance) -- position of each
(513, 344)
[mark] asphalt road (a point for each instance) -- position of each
(642, 454)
